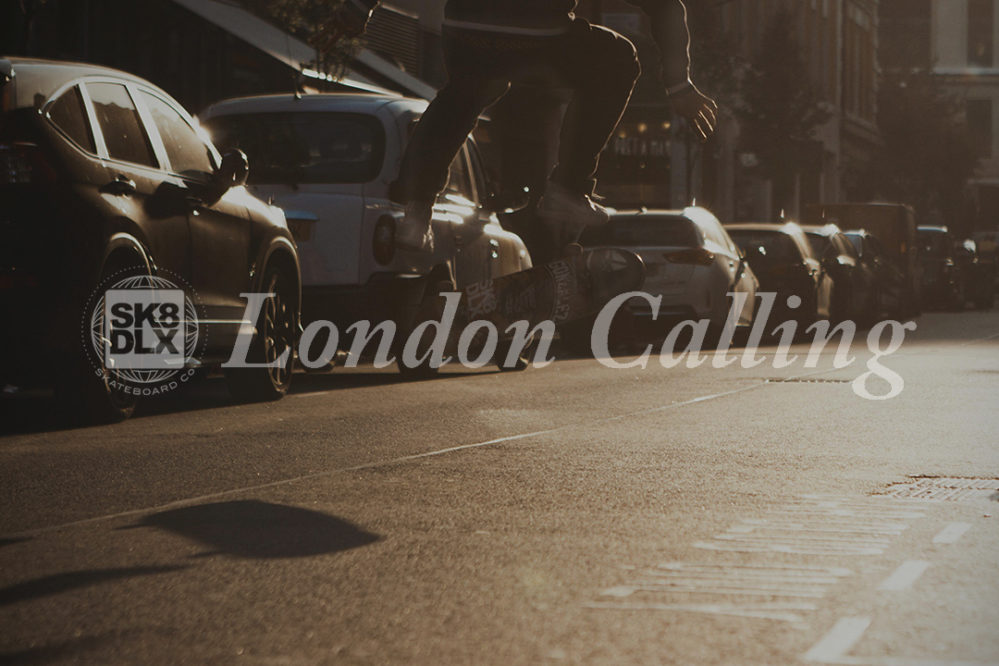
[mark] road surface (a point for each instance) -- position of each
(573, 514)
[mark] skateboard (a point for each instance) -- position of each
(566, 290)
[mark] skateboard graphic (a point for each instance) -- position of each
(563, 291)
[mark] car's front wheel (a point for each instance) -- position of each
(273, 346)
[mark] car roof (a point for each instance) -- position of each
(317, 102)
(38, 76)
(695, 214)
(781, 227)
(822, 230)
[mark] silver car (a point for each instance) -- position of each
(327, 160)
(690, 261)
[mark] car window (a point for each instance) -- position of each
(672, 231)
(845, 246)
(478, 172)
(186, 151)
(459, 181)
(304, 147)
(124, 135)
(770, 245)
(934, 244)
(69, 115)
(713, 230)
(820, 244)
(857, 242)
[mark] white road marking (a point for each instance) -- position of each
(952, 533)
(907, 573)
(657, 589)
(818, 525)
(840, 640)
(768, 611)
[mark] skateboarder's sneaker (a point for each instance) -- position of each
(566, 213)
(414, 232)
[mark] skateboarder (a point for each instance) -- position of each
(491, 44)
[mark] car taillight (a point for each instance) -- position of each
(383, 242)
(23, 163)
(696, 256)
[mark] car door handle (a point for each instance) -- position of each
(195, 203)
(122, 185)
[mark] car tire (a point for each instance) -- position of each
(85, 396)
(427, 303)
(274, 335)
(523, 361)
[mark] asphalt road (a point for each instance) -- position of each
(570, 514)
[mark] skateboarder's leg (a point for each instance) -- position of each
(474, 84)
(602, 67)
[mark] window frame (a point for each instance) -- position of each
(88, 116)
(151, 129)
(102, 149)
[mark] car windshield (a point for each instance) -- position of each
(857, 241)
(303, 148)
(820, 244)
(771, 245)
(933, 244)
(672, 231)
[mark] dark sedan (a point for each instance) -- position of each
(127, 243)
(782, 258)
(942, 279)
(853, 293)
(890, 285)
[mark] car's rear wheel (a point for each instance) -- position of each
(273, 345)
(89, 393)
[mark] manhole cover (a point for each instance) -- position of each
(943, 488)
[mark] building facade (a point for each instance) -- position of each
(963, 37)
(838, 40)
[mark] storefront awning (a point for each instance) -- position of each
(369, 72)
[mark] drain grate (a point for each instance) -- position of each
(802, 380)
(935, 488)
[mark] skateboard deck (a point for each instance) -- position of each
(563, 291)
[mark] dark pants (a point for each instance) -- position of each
(599, 66)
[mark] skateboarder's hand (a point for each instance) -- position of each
(698, 108)
(347, 22)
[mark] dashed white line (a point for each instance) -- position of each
(952, 533)
(832, 648)
(907, 573)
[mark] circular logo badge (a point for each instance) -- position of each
(142, 333)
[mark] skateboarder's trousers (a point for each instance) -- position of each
(599, 66)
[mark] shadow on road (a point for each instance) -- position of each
(36, 411)
(64, 582)
(259, 530)
(61, 651)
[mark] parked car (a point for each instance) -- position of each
(690, 261)
(976, 271)
(942, 276)
(328, 159)
(894, 225)
(784, 262)
(853, 295)
(889, 285)
(104, 174)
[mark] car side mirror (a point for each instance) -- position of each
(234, 170)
